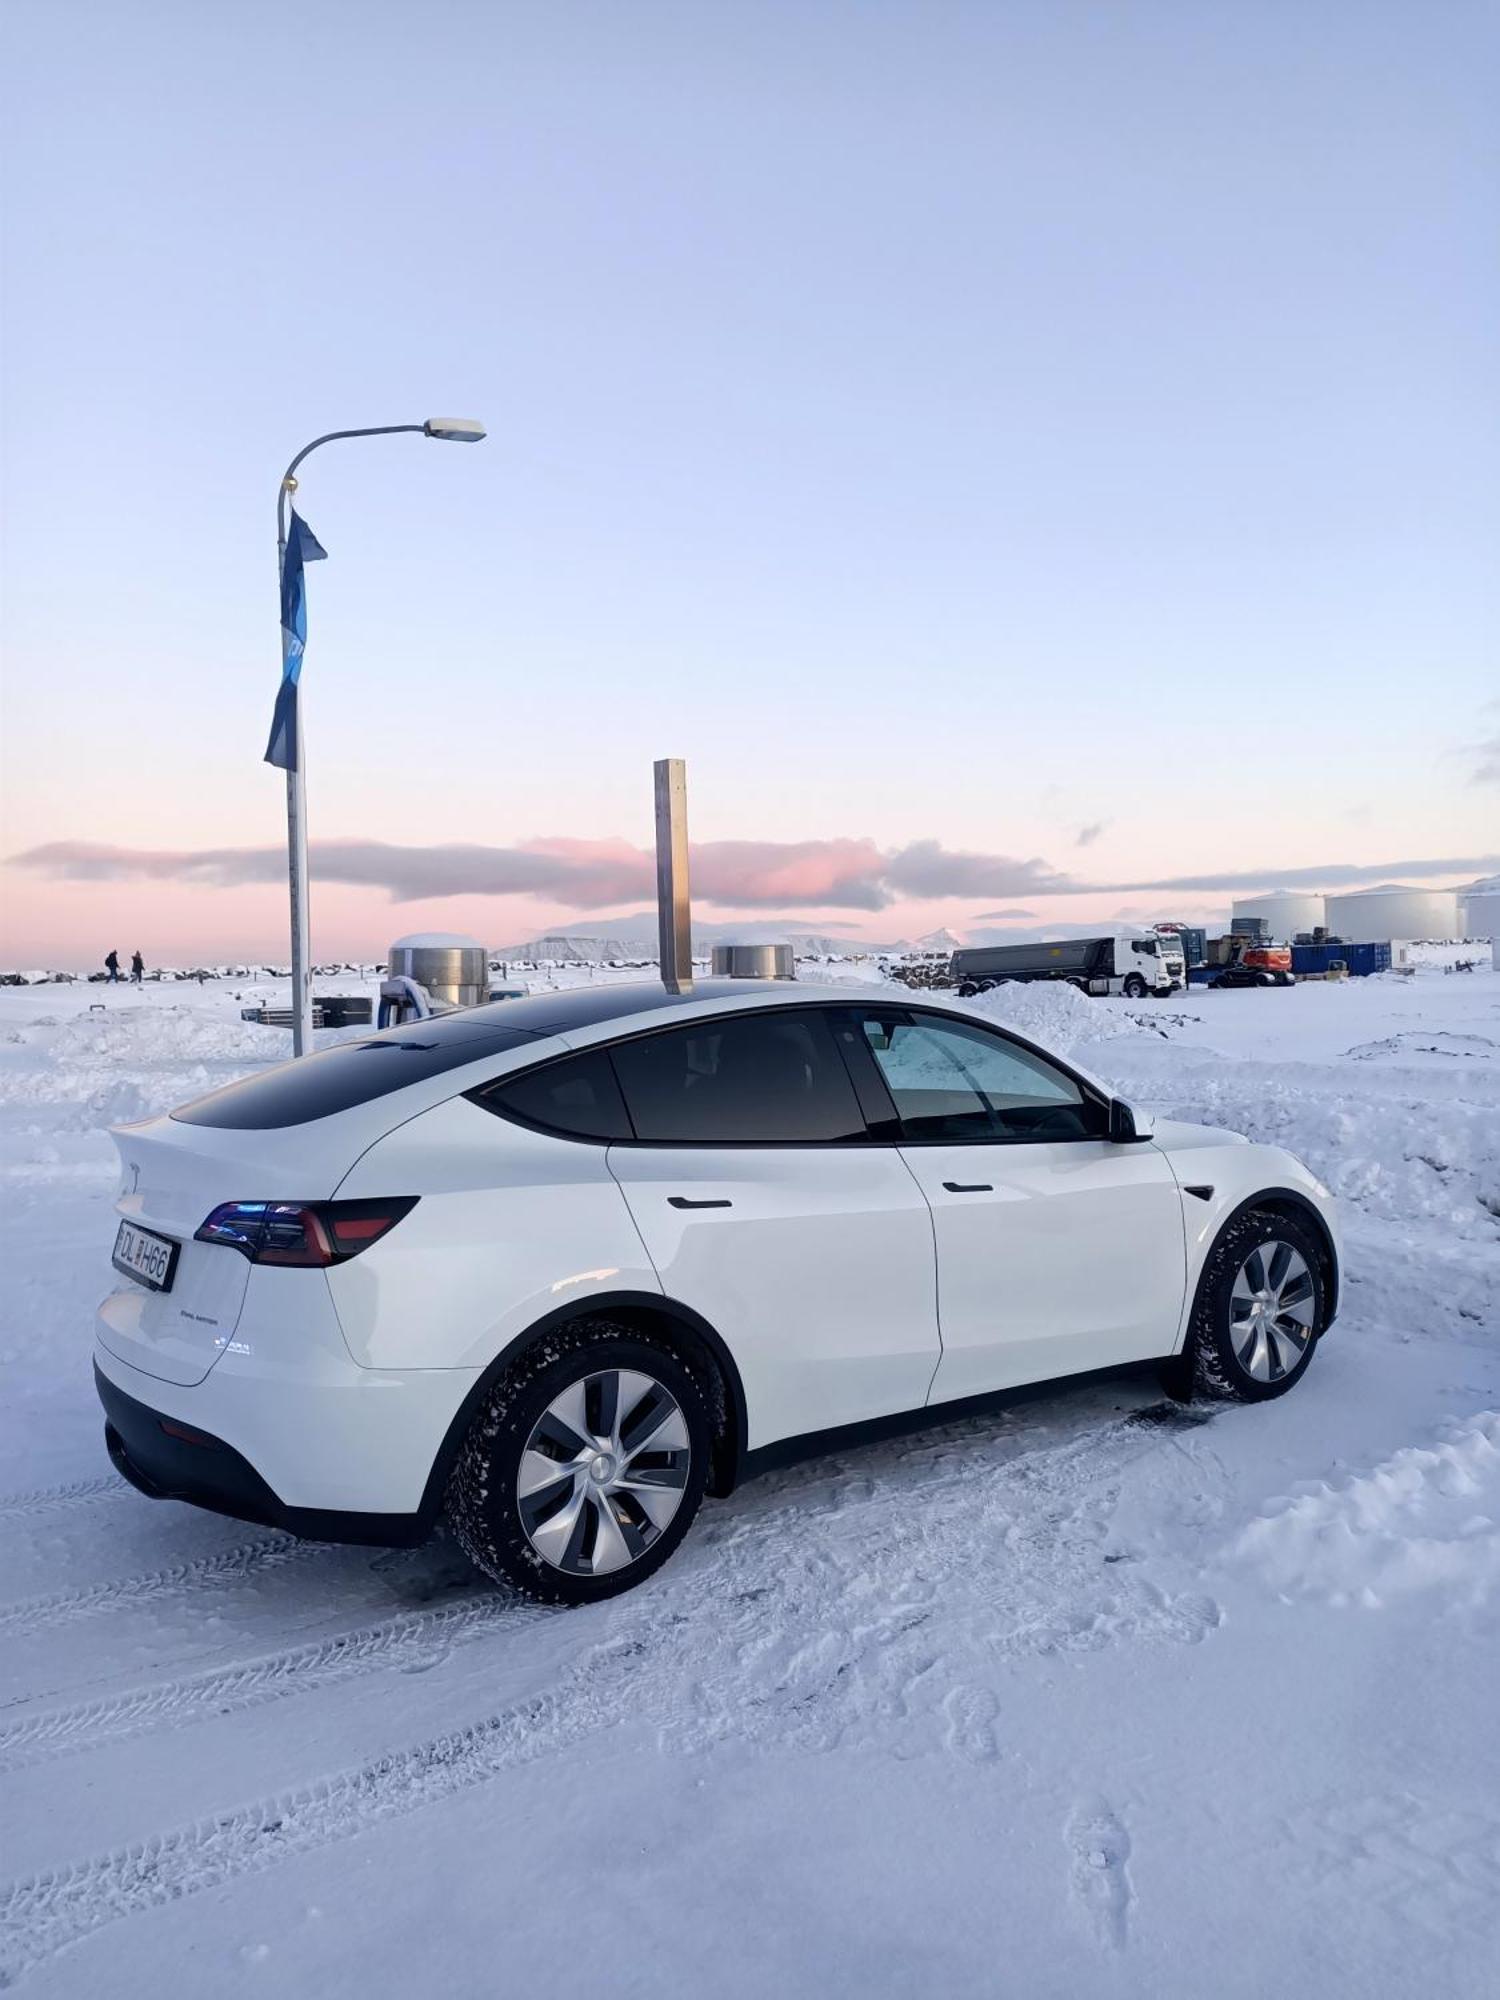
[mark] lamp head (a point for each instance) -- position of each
(457, 430)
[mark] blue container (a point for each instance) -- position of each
(1311, 961)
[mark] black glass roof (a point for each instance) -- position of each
(584, 1006)
(355, 1072)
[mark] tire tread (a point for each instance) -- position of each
(502, 1426)
(1210, 1372)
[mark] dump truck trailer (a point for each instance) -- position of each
(1135, 963)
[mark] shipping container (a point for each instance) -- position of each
(1311, 961)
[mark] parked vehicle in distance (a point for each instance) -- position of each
(560, 1265)
(1241, 961)
(1192, 939)
(1135, 963)
(1173, 952)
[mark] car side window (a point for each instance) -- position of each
(576, 1096)
(948, 1080)
(740, 1079)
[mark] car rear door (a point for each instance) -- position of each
(766, 1207)
(1058, 1251)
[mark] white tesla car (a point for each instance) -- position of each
(559, 1265)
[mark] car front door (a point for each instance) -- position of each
(1058, 1251)
(766, 1208)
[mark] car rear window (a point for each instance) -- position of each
(337, 1079)
(577, 1096)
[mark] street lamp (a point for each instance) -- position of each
(452, 430)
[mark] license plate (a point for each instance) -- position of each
(149, 1259)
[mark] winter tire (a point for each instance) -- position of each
(1134, 987)
(585, 1468)
(1259, 1310)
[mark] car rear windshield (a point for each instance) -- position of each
(337, 1079)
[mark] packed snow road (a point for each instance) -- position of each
(1097, 1695)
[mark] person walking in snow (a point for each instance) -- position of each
(112, 967)
(137, 968)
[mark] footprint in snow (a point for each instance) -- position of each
(970, 1734)
(1100, 1875)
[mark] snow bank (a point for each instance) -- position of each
(102, 1068)
(1428, 1519)
(1403, 1145)
(1057, 1015)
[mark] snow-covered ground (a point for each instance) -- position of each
(1096, 1696)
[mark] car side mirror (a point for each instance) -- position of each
(1127, 1126)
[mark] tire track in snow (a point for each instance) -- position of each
(619, 1678)
(35, 1614)
(404, 1644)
(40, 1917)
(45, 1498)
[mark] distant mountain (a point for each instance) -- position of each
(563, 948)
(940, 940)
(635, 937)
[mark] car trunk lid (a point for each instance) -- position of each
(172, 1176)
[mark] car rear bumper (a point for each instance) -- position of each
(287, 1430)
(169, 1460)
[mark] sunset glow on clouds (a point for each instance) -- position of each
(225, 902)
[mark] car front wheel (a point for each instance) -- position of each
(1259, 1310)
(585, 1468)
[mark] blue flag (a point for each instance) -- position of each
(302, 547)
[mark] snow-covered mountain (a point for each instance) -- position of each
(635, 937)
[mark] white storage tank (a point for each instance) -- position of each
(1371, 916)
(1286, 911)
(1479, 907)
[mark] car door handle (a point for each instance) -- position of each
(968, 1187)
(685, 1201)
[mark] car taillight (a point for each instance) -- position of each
(316, 1233)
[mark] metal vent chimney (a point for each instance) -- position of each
(754, 961)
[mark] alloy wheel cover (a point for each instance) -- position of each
(604, 1472)
(1272, 1304)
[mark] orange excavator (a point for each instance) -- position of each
(1242, 961)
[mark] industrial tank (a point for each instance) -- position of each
(453, 969)
(1479, 908)
(754, 961)
(1284, 911)
(1367, 916)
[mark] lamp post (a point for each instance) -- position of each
(453, 430)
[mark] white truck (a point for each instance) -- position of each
(1135, 963)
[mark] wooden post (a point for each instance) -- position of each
(673, 904)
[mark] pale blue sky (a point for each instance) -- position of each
(938, 422)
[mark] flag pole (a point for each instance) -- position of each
(461, 430)
(296, 826)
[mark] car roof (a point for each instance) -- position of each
(619, 1004)
(608, 1000)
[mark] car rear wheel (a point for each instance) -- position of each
(1259, 1310)
(585, 1468)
